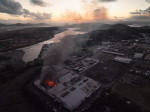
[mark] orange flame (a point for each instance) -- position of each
(51, 83)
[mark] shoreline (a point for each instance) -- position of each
(30, 44)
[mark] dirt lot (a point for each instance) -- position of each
(106, 72)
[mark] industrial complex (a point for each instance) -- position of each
(70, 90)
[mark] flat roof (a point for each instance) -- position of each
(138, 55)
(123, 59)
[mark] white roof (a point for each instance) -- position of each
(67, 77)
(83, 89)
(73, 99)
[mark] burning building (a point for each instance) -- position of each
(70, 89)
(63, 85)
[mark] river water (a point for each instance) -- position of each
(33, 51)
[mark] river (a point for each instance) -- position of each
(33, 51)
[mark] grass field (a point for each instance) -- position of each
(140, 96)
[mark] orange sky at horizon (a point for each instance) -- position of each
(80, 10)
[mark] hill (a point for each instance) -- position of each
(116, 32)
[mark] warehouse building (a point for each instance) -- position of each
(138, 55)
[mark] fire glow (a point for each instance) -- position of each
(51, 83)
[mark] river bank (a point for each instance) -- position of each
(12, 40)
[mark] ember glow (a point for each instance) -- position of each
(51, 83)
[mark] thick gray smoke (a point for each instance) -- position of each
(50, 72)
(58, 53)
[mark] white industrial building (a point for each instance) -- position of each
(123, 59)
(138, 55)
(71, 89)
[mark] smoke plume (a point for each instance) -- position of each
(58, 53)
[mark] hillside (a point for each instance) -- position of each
(116, 32)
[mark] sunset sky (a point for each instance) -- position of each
(73, 10)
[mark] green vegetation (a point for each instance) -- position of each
(140, 96)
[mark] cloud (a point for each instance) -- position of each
(39, 3)
(13, 21)
(136, 12)
(148, 10)
(36, 16)
(15, 8)
(74, 16)
(116, 17)
(10, 7)
(90, 15)
(148, 1)
(100, 13)
(140, 18)
(141, 12)
(92, 12)
(107, 0)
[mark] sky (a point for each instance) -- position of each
(48, 11)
